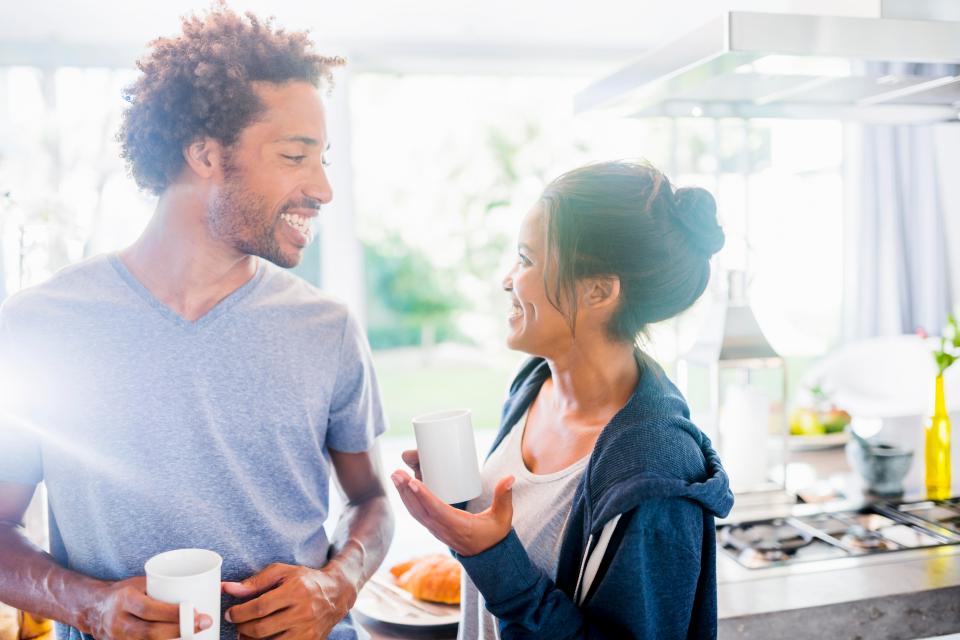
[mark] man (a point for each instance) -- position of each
(185, 392)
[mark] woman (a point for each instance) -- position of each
(596, 518)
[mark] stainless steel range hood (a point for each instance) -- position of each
(754, 65)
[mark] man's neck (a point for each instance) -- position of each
(179, 262)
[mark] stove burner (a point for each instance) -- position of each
(873, 529)
(774, 541)
(945, 513)
(858, 537)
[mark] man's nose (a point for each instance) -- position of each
(319, 187)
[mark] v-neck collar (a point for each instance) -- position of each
(213, 314)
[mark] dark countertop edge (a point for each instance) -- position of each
(919, 614)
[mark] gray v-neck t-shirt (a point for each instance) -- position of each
(541, 508)
(152, 432)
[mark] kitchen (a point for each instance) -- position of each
(825, 130)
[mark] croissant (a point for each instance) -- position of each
(435, 578)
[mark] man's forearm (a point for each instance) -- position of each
(361, 539)
(32, 581)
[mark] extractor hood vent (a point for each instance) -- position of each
(763, 65)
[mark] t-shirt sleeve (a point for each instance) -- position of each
(356, 412)
(20, 459)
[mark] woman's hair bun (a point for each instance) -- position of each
(696, 211)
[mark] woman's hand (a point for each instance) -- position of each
(466, 533)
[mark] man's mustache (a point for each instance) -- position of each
(306, 203)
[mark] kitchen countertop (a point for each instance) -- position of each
(905, 594)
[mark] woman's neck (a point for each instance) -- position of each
(593, 375)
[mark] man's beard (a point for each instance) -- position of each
(243, 219)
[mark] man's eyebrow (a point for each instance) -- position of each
(304, 139)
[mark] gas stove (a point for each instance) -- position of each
(884, 527)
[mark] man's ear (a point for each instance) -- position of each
(204, 157)
(601, 291)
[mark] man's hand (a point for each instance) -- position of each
(31, 580)
(298, 602)
(466, 533)
(125, 611)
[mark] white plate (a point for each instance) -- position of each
(825, 441)
(387, 607)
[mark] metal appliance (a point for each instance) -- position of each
(884, 527)
(897, 67)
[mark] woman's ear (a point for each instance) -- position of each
(601, 291)
(204, 157)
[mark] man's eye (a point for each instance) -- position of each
(324, 161)
(297, 159)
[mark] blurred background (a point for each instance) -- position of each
(836, 186)
(832, 147)
(445, 126)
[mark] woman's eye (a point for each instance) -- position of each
(324, 161)
(297, 159)
(523, 260)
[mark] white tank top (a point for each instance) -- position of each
(541, 508)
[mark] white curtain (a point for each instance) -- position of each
(3, 272)
(902, 243)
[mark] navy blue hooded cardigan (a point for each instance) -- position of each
(657, 579)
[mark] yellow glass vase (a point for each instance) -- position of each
(938, 448)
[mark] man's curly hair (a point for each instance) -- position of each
(200, 84)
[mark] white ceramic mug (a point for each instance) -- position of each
(448, 455)
(189, 578)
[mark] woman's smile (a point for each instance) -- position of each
(516, 311)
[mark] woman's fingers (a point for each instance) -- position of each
(466, 533)
(449, 524)
(446, 523)
(411, 500)
(502, 506)
(434, 505)
(417, 494)
(411, 458)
